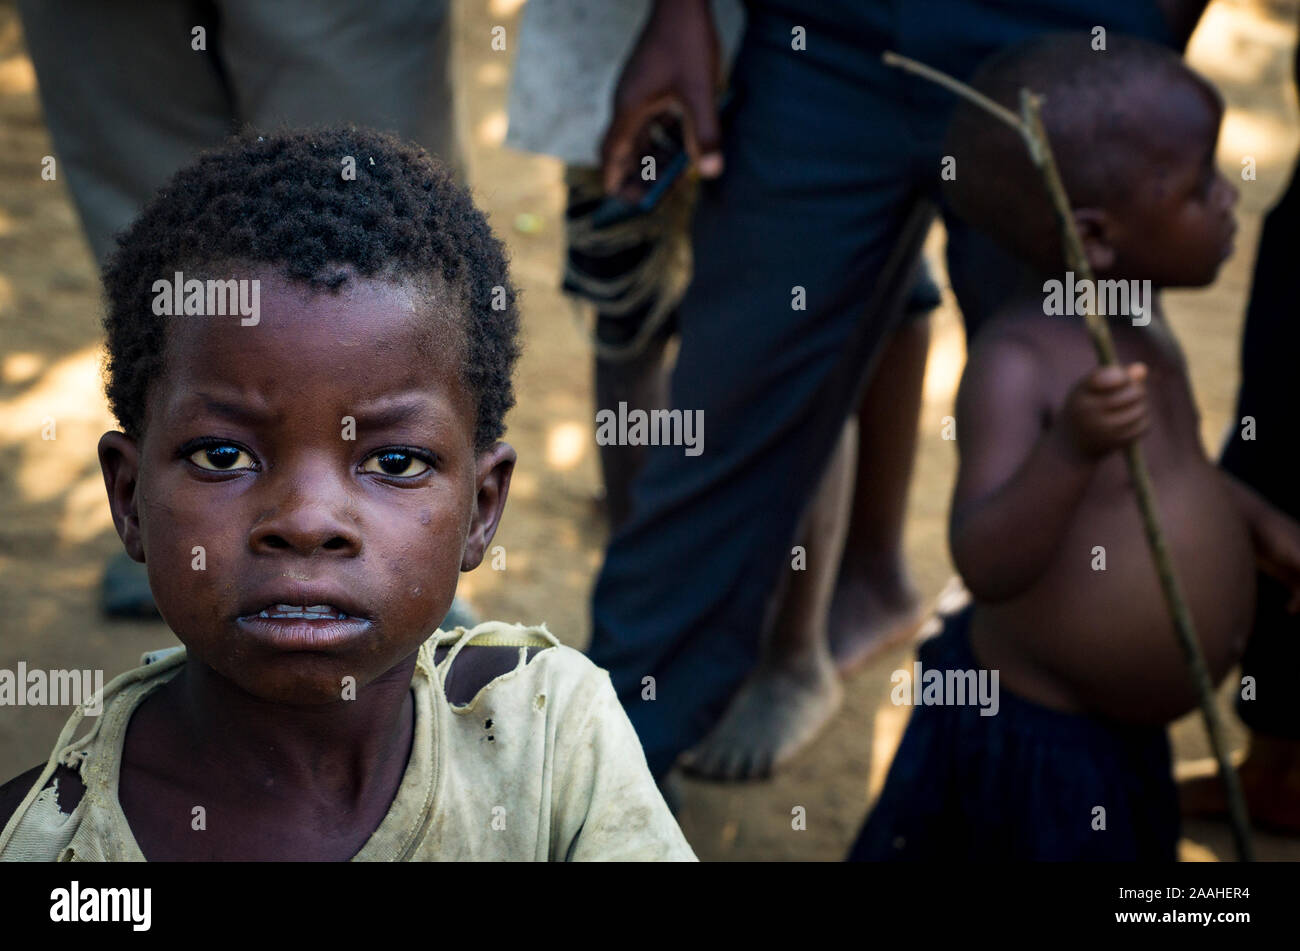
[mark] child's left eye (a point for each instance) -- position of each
(396, 462)
(221, 457)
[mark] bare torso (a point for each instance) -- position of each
(1086, 639)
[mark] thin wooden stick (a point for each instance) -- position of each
(1029, 125)
(960, 88)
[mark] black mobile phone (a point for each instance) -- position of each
(667, 145)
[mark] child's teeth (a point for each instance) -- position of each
(310, 612)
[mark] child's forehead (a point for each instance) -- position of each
(370, 319)
(367, 340)
(346, 294)
(1175, 114)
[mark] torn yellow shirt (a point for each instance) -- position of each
(563, 777)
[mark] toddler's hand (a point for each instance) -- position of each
(1106, 410)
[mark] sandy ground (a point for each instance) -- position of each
(55, 532)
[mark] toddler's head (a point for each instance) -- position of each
(311, 338)
(1133, 131)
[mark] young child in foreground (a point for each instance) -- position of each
(1074, 762)
(305, 480)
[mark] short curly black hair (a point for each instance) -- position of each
(283, 200)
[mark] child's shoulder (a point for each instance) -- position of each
(1021, 346)
(1023, 327)
(64, 786)
(64, 789)
(1010, 350)
(472, 659)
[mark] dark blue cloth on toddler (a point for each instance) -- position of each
(1024, 784)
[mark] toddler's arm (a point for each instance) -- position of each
(1023, 471)
(1275, 534)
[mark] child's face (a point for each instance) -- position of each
(322, 457)
(1177, 227)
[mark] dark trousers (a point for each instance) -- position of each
(1270, 462)
(128, 100)
(828, 152)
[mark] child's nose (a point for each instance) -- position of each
(306, 522)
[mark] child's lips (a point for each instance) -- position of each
(306, 616)
(300, 630)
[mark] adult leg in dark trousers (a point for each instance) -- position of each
(793, 689)
(1262, 452)
(686, 580)
(826, 148)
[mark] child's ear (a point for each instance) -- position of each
(1097, 231)
(119, 460)
(495, 466)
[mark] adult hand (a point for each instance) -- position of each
(674, 67)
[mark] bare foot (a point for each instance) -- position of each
(774, 715)
(1270, 779)
(868, 617)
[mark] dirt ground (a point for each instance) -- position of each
(55, 532)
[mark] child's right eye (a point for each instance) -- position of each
(221, 458)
